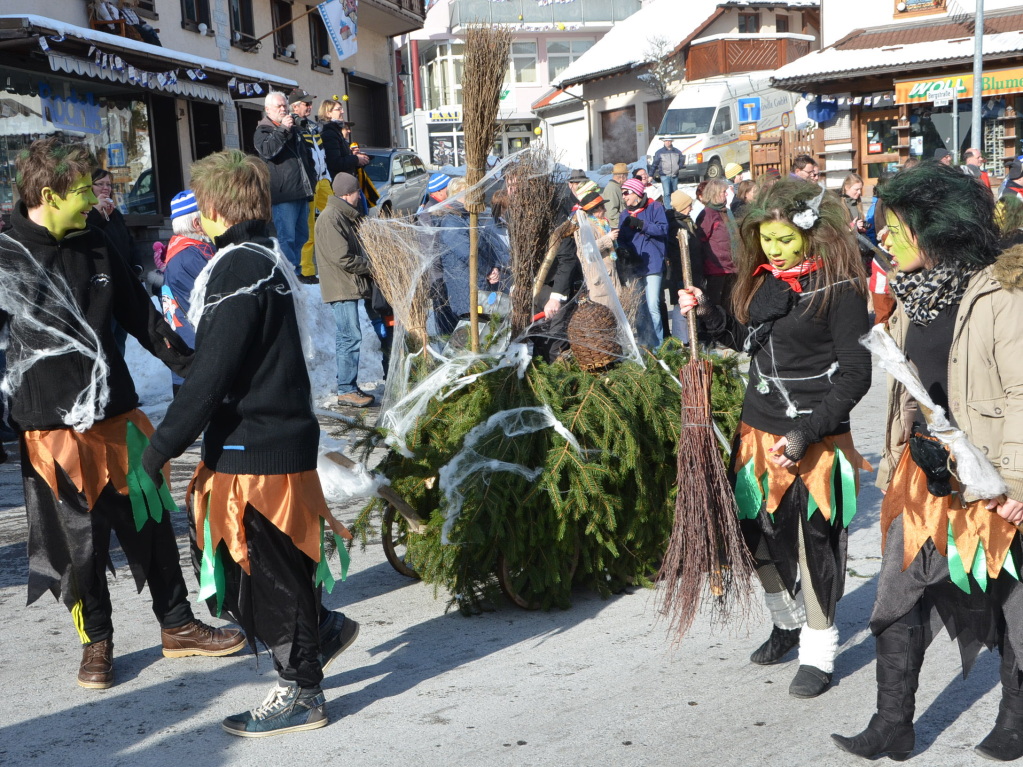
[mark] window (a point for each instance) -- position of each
(413, 166)
(319, 42)
(242, 28)
(440, 65)
(749, 23)
(918, 7)
(561, 53)
(194, 13)
(147, 8)
(781, 24)
(723, 123)
(284, 37)
(523, 62)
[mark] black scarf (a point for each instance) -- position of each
(926, 292)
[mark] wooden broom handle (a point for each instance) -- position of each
(687, 280)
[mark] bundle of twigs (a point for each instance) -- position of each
(530, 220)
(706, 551)
(486, 57)
(394, 249)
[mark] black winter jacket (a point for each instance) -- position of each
(249, 388)
(85, 272)
(339, 155)
(289, 160)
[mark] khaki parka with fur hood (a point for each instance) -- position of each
(985, 374)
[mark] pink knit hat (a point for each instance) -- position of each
(634, 185)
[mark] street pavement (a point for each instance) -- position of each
(598, 684)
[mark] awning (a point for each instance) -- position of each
(92, 53)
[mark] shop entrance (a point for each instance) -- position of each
(879, 141)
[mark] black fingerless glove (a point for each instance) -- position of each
(798, 443)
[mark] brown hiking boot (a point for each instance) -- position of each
(354, 399)
(97, 669)
(196, 638)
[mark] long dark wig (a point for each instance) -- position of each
(951, 214)
(829, 238)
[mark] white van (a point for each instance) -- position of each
(703, 121)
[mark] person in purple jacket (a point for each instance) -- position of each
(644, 232)
(187, 254)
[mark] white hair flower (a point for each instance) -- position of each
(805, 219)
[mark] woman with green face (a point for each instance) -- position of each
(799, 312)
(949, 557)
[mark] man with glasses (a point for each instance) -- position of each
(74, 402)
(278, 141)
(805, 168)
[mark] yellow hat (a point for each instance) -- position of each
(732, 170)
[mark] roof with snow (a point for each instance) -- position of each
(898, 48)
(627, 44)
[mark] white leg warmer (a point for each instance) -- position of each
(818, 648)
(786, 612)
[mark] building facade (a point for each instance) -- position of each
(149, 110)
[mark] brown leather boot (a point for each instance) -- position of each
(196, 638)
(97, 669)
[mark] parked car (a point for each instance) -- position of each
(141, 197)
(400, 177)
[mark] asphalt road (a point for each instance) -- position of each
(599, 684)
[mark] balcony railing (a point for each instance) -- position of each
(464, 12)
(728, 55)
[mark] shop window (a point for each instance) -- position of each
(918, 7)
(243, 30)
(781, 24)
(319, 43)
(561, 53)
(284, 37)
(523, 63)
(194, 13)
(749, 23)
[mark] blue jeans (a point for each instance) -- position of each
(654, 296)
(669, 184)
(291, 220)
(348, 339)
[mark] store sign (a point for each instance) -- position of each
(75, 113)
(875, 147)
(943, 89)
(445, 116)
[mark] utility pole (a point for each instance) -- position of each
(978, 76)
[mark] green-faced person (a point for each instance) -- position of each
(62, 288)
(63, 211)
(902, 244)
(783, 244)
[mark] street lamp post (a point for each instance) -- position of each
(978, 76)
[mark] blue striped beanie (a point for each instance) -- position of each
(183, 204)
(438, 181)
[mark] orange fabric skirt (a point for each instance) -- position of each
(293, 503)
(91, 459)
(926, 516)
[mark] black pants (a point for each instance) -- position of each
(69, 553)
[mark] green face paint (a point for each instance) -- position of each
(902, 245)
(213, 228)
(67, 213)
(782, 244)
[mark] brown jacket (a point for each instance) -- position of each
(340, 260)
(985, 374)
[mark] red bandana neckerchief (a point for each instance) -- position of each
(792, 275)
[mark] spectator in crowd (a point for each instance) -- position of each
(1014, 180)
(973, 165)
(688, 245)
(612, 193)
(745, 191)
(106, 217)
(279, 143)
(805, 168)
(668, 162)
(344, 281)
(336, 135)
(309, 128)
(852, 200)
(718, 267)
(256, 496)
(188, 252)
(606, 234)
(643, 231)
(653, 191)
(942, 156)
(82, 448)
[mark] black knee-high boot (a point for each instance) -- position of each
(900, 653)
(1005, 742)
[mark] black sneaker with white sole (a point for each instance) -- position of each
(288, 708)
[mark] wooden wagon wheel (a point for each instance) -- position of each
(517, 587)
(394, 534)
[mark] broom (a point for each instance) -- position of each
(706, 549)
(486, 56)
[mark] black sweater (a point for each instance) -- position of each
(101, 287)
(803, 345)
(249, 386)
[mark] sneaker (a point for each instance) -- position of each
(196, 638)
(336, 636)
(288, 708)
(309, 279)
(97, 669)
(354, 399)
